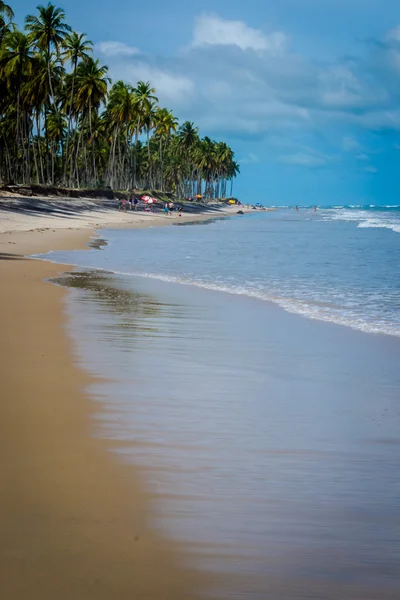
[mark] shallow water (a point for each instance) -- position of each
(271, 442)
(337, 265)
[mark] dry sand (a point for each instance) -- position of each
(75, 524)
(80, 214)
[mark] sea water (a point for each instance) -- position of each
(337, 264)
(252, 374)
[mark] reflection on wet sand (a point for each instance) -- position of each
(278, 474)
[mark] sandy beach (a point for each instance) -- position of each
(74, 522)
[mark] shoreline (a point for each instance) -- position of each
(75, 522)
(85, 214)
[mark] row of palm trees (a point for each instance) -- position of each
(63, 122)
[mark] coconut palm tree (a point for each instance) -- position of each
(6, 10)
(165, 123)
(233, 171)
(76, 47)
(145, 98)
(47, 32)
(16, 61)
(187, 142)
(121, 115)
(6, 15)
(91, 84)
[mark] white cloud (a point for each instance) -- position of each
(371, 169)
(172, 89)
(116, 49)
(393, 35)
(215, 31)
(238, 80)
(305, 160)
(349, 144)
(249, 159)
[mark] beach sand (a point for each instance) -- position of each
(74, 523)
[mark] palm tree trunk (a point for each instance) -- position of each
(69, 124)
(38, 128)
(135, 157)
(149, 156)
(94, 178)
(76, 156)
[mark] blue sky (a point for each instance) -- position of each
(306, 91)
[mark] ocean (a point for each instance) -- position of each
(340, 264)
(250, 370)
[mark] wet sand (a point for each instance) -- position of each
(274, 463)
(74, 523)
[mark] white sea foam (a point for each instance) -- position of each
(365, 219)
(321, 311)
(377, 223)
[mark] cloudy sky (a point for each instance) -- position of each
(307, 92)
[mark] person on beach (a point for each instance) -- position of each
(130, 202)
(124, 204)
(297, 209)
(135, 203)
(180, 209)
(171, 207)
(166, 211)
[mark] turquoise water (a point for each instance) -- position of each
(269, 440)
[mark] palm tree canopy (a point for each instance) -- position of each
(48, 28)
(145, 98)
(6, 10)
(121, 104)
(165, 122)
(16, 58)
(91, 83)
(76, 47)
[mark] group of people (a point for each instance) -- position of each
(169, 208)
(133, 203)
(315, 209)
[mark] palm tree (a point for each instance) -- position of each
(6, 15)
(48, 32)
(6, 10)
(121, 116)
(233, 170)
(91, 91)
(165, 123)
(17, 62)
(144, 98)
(76, 48)
(188, 140)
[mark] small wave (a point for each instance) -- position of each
(374, 223)
(313, 309)
(365, 217)
(320, 311)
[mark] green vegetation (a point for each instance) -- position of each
(63, 122)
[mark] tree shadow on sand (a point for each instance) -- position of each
(10, 256)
